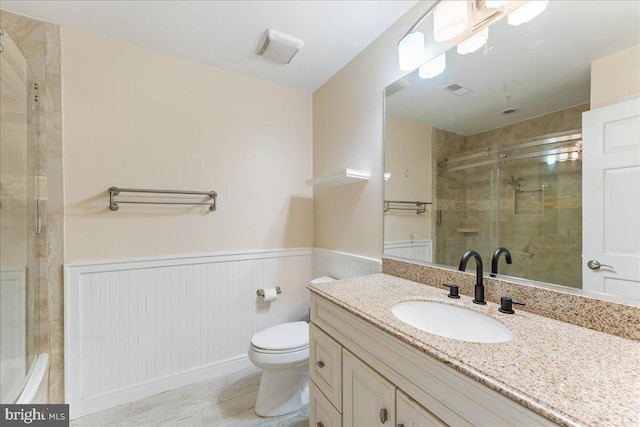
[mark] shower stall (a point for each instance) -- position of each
(497, 189)
(20, 241)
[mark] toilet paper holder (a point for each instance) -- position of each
(260, 292)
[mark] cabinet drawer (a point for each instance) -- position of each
(411, 414)
(325, 365)
(321, 411)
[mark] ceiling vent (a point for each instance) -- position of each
(456, 89)
(278, 47)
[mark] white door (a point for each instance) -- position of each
(611, 199)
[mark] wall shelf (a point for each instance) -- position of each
(341, 177)
(469, 230)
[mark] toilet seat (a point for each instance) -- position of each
(288, 350)
(280, 360)
(283, 338)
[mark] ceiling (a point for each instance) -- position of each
(225, 34)
(539, 67)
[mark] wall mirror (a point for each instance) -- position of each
(488, 153)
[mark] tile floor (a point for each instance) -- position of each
(222, 401)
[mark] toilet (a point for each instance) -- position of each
(282, 352)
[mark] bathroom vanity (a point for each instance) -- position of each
(369, 368)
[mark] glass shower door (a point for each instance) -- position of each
(19, 234)
(466, 209)
(524, 195)
(540, 218)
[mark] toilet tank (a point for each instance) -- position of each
(322, 279)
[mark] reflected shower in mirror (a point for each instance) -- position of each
(495, 142)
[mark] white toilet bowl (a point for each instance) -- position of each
(282, 351)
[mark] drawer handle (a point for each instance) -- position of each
(400, 425)
(320, 364)
(319, 424)
(383, 416)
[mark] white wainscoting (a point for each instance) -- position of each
(342, 265)
(420, 250)
(135, 328)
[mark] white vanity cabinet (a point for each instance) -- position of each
(368, 398)
(376, 379)
(364, 396)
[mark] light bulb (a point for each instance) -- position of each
(551, 159)
(474, 42)
(449, 20)
(527, 12)
(411, 51)
(433, 68)
(494, 4)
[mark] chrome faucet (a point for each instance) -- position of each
(479, 289)
(496, 258)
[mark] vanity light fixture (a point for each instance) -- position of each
(411, 47)
(494, 4)
(527, 12)
(411, 51)
(551, 159)
(450, 19)
(433, 68)
(473, 43)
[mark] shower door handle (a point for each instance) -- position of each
(40, 214)
(595, 265)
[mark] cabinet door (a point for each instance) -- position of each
(368, 400)
(411, 414)
(325, 365)
(321, 411)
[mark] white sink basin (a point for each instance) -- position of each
(452, 321)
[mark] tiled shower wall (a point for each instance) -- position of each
(40, 44)
(540, 208)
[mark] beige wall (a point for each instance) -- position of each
(615, 76)
(348, 121)
(407, 157)
(137, 118)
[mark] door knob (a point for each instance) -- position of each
(595, 265)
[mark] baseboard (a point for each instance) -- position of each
(140, 391)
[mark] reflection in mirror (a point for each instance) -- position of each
(495, 142)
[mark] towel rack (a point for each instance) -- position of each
(114, 191)
(420, 207)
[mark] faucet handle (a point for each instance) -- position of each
(453, 291)
(506, 305)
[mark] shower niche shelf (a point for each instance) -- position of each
(341, 177)
(468, 230)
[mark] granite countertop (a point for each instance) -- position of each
(572, 375)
